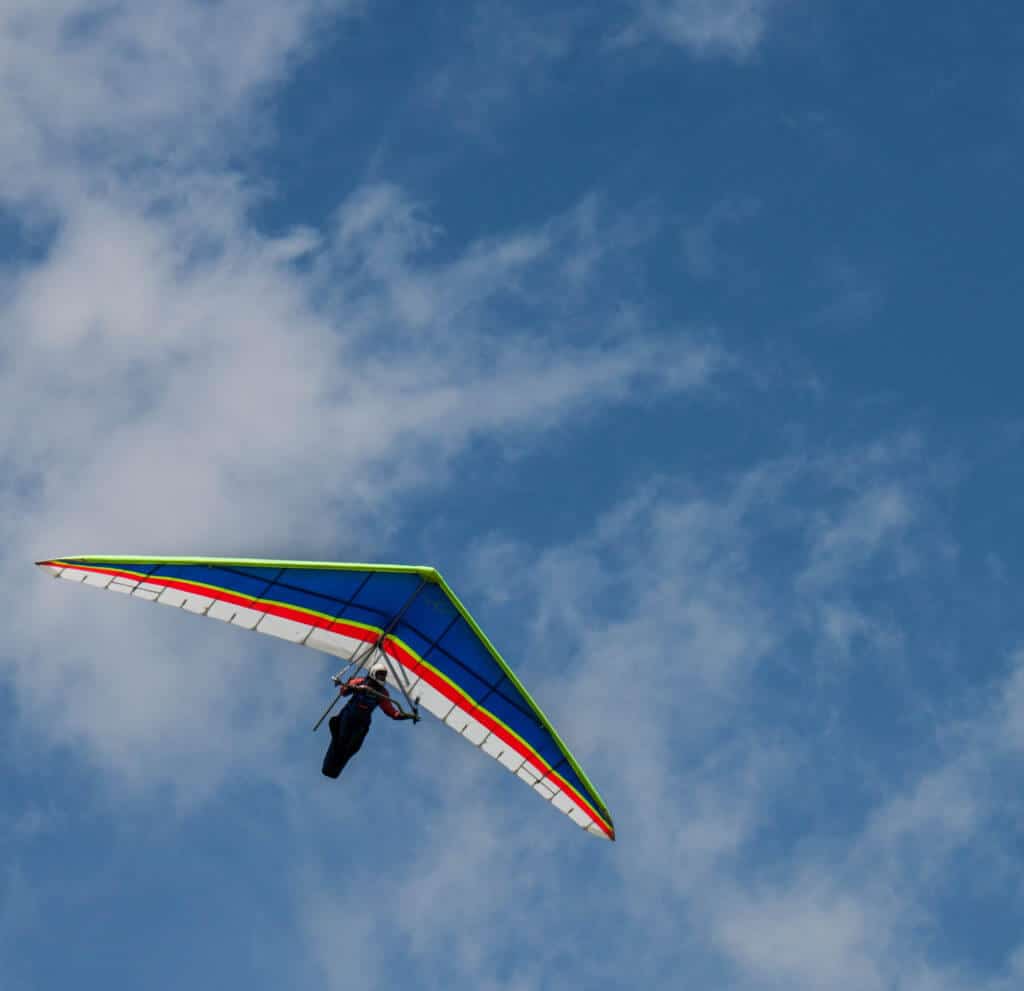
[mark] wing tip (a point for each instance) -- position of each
(601, 829)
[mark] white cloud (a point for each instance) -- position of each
(808, 936)
(1009, 720)
(162, 405)
(875, 518)
(650, 650)
(85, 86)
(172, 379)
(865, 914)
(733, 28)
(943, 807)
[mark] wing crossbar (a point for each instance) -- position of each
(361, 657)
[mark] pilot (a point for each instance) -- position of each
(350, 726)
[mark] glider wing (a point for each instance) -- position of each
(408, 612)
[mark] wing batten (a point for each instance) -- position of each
(335, 607)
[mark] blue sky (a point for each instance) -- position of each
(678, 335)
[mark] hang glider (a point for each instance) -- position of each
(357, 612)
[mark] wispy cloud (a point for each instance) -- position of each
(871, 907)
(745, 662)
(733, 28)
(90, 86)
(504, 56)
(174, 379)
(811, 934)
(855, 297)
(702, 251)
(661, 638)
